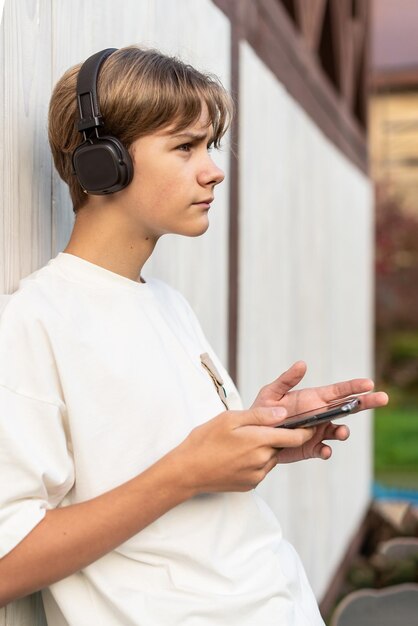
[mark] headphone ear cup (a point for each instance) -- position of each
(102, 165)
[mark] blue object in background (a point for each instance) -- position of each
(382, 492)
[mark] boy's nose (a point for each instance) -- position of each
(212, 174)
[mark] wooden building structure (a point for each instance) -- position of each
(393, 105)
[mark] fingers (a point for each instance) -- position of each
(317, 449)
(373, 400)
(290, 378)
(338, 391)
(335, 432)
(272, 462)
(322, 451)
(362, 387)
(272, 393)
(288, 438)
(260, 422)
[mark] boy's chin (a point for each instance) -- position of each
(194, 229)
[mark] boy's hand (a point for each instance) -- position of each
(235, 450)
(279, 394)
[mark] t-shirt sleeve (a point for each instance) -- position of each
(36, 466)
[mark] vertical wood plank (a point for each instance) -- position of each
(26, 612)
(25, 224)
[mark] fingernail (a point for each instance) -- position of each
(278, 411)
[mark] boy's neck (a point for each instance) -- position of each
(104, 240)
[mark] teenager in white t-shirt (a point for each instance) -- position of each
(128, 464)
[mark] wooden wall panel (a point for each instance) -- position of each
(25, 223)
(26, 612)
(305, 293)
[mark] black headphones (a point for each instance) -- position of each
(101, 163)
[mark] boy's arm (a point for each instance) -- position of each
(232, 452)
(72, 537)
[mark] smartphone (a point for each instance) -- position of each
(321, 415)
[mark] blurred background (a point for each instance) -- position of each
(393, 143)
(312, 249)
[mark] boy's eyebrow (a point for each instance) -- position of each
(191, 135)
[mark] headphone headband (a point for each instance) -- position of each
(88, 104)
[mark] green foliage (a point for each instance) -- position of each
(404, 345)
(396, 444)
(361, 574)
(404, 361)
(398, 362)
(396, 291)
(396, 263)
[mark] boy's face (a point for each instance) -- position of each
(174, 180)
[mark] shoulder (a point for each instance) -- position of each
(169, 296)
(35, 298)
(27, 321)
(174, 306)
(163, 290)
(36, 306)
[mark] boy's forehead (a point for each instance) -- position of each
(194, 131)
(199, 129)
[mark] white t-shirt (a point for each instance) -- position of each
(100, 376)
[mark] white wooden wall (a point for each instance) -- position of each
(305, 279)
(305, 293)
(25, 62)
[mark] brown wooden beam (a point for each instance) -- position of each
(267, 27)
(395, 80)
(310, 17)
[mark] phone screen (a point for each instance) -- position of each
(321, 414)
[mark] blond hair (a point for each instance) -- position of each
(139, 91)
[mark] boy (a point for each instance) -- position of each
(128, 464)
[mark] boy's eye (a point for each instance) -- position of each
(185, 147)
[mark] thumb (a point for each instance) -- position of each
(264, 416)
(290, 378)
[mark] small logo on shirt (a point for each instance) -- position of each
(217, 379)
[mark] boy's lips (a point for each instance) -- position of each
(207, 201)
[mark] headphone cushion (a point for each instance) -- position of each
(102, 165)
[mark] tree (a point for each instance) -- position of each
(396, 290)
